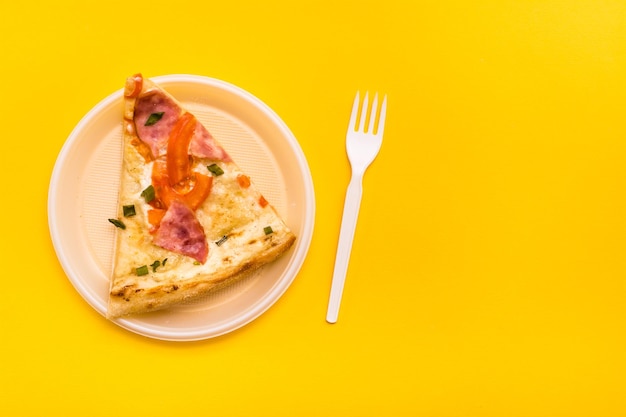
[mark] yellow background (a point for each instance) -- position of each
(488, 274)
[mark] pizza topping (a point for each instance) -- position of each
(156, 132)
(268, 230)
(243, 180)
(155, 265)
(215, 170)
(133, 86)
(178, 163)
(118, 223)
(222, 240)
(129, 210)
(140, 147)
(203, 145)
(181, 232)
(197, 187)
(263, 202)
(148, 194)
(153, 118)
(155, 216)
(199, 192)
(142, 270)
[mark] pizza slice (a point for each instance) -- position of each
(190, 221)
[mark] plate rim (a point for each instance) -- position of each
(252, 311)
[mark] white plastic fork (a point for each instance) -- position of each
(362, 146)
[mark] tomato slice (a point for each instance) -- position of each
(154, 217)
(133, 85)
(160, 181)
(198, 188)
(243, 180)
(200, 191)
(178, 163)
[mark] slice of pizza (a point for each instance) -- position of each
(190, 221)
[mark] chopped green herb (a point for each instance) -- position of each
(118, 223)
(163, 263)
(153, 118)
(129, 210)
(155, 265)
(196, 263)
(222, 240)
(142, 270)
(148, 193)
(215, 169)
(268, 230)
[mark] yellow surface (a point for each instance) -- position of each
(488, 275)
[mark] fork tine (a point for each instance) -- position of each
(370, 128)
(381, 118)
(363, 113)
(355, 111)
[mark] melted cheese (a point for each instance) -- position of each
(230, 211)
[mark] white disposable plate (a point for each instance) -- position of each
(84, 190)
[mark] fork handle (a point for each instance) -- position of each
(346, 236)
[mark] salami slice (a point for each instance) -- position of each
(181, 232)
(156, 113)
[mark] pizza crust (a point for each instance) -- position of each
(133, 298)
